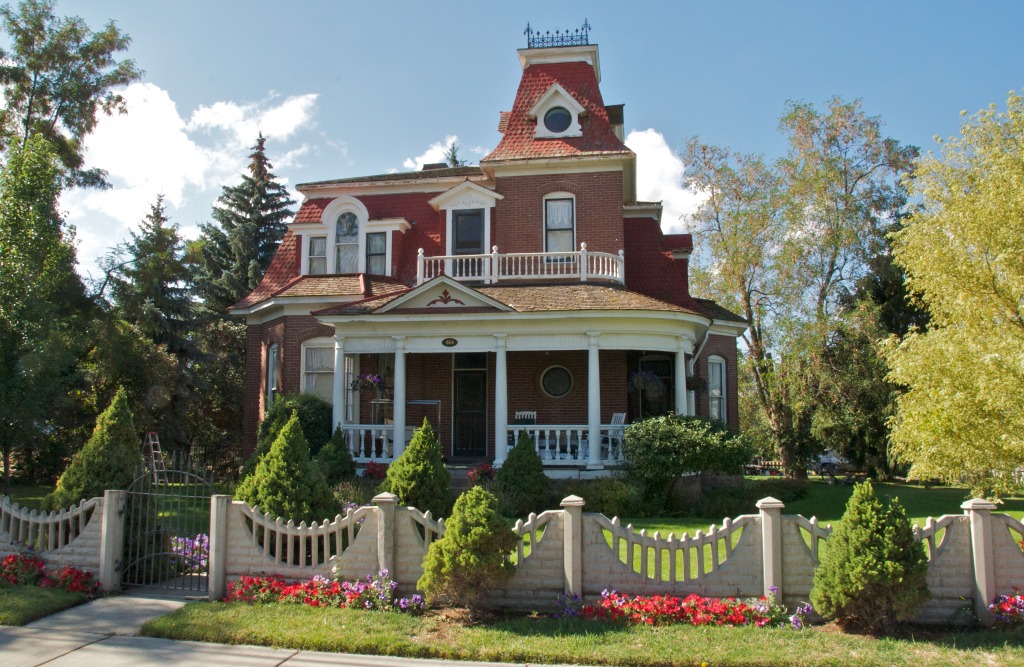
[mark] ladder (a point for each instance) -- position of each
(155, 457)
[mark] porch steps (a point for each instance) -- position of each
(460, 474)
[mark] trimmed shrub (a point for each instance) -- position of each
(285, 482)
(661, 449)
(521, 485)
(335, 461)
(872, 574)
(315, 416)
(610, 496)
(470, 558)
(418, 477)
(107, 461)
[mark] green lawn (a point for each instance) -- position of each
(546, 640)
(29, 495)
(23, 604)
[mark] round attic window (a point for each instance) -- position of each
(557, 120)
(556, 381)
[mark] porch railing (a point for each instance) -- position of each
(494, 267)
(569, 444)
(371, 442)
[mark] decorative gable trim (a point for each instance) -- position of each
(466, 195)
(556, 96)
(443, 294)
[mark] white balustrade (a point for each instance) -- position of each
(494, 267)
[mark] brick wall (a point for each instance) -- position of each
(725, 347)
(521, 213)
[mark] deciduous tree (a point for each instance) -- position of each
(57, 76)
(964, 255)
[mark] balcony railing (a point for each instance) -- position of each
(494, 267)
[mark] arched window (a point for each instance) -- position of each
(346, 243)
(717, 408)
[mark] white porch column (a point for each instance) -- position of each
(682, 406)
(500, 401)
(338, 391)
(399, 435)
(593, 399)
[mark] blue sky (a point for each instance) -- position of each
(354, 88)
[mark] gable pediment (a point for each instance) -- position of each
(443, 295)
(466, 195)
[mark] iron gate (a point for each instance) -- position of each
(167, 526)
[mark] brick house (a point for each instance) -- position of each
(532, 292)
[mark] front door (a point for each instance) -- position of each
(470, 414)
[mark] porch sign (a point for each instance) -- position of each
(449, 342)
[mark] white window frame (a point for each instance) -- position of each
(544, 218)
(308, 254)
(557, 96)
(271, 374)
(323, 343)
(360, 243)
(723, 399)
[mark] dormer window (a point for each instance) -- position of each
(346, 243)
(377, 253)
(317, 255)
(557, 120)
(557, 114)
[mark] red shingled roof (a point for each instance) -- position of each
(580, 81)
(283, 269)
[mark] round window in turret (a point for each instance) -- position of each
(557, 120)
(556, 381)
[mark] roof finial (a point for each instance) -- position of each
(538, 40)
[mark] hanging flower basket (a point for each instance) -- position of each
(368, 381)
(647, 383)
(696, 384)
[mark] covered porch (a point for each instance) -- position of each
(484, 369)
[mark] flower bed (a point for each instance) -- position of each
(1008, 610)
(691, 610)
(377, 593)
(19, 570)
(193, 554)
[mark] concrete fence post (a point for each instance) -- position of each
(572, 536)
(387, 505)
(980, 513)
(112, 539)
(771, 543)
(217, 558)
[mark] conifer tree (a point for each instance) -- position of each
(521, 485)
(234, 252)
(107, 461)
(418, 477)
(470, 557)
(150, 288)
(286, 483)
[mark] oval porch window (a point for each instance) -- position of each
(556, 381)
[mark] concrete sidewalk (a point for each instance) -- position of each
(102, 633)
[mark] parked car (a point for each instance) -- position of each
(829, 463)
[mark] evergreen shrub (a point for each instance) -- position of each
(335, 461)
(285, 482)
(872, 573)
(520, 484)
(315, 416)
(471, 556)
(107, 461)
(419, 477)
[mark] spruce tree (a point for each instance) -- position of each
(107, 461)
(873, 572)
(471, 556)
(418, 477)
(150, 285)
(521, 485)
(250, 218)
(286, 483)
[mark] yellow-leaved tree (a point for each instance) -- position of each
(963, 251)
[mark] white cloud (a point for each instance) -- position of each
(152, 150)
(433, 154)
(659, 177)
(244, 121)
